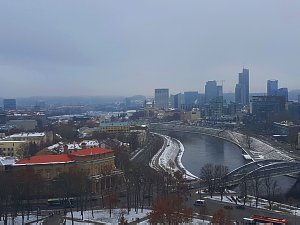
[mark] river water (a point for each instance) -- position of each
(202, 149)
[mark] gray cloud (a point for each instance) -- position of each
(132, 47)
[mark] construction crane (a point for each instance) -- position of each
(222, 82)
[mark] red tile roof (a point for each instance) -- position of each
(64, 158)
(46, 159)
(91, 151)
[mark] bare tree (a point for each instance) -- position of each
(256, 189)
(207, 175)
(220, 171)
(169, 210)
(244, 189)
(271, 190)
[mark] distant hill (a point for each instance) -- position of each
(293, 95)
(69, 100)
(137, 98)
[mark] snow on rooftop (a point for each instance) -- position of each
(36, 134)
(90, 143)
(8, 160)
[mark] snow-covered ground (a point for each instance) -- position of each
(168, 158)
(195, 221)
(262, 203)
(18, 220)
(104, 217)
(259, 149)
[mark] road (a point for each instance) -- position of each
(238, 214)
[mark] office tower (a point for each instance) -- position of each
(242, 88)
(172, 101)
(178, 101)
(284, 92)
(238, 93)
(212, 90)
(9, 104)
(191, 100)
(161, 98)
(272, 87)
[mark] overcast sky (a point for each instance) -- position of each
(55, 47)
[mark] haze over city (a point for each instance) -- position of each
(72, 48)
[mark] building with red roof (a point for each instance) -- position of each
(96, 163)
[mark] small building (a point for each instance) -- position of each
(12, 148)
(25, 125)
(38, 137)
(114, 127)
(191, 115)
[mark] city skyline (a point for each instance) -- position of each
(109, 49)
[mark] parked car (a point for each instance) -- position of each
(228, 207)
(240, 207)
(199, 202)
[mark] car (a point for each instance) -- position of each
(199, 202)
(228, 207)
(240, 207)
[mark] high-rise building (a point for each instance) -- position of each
(272, 87)
(265, 107)
(178, 101)
(238, 94)
(242, 88)
(161, 98)
(284, 92)
(9, 104)
(191, 100)
(212, 90)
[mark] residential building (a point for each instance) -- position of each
(9, 104)
(12, 148)
(161, 98)
(242, 88)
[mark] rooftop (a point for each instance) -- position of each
(7, 160)
(63, 158)
(91, 151)
(45, 159)
(27, 135)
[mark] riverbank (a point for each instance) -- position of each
(171, 155)
(168, 158)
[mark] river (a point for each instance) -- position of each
(202, 149)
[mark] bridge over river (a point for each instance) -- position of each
(262, 169)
